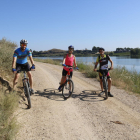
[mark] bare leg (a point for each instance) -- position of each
(15, 80)
(62, 80)
(101, 84)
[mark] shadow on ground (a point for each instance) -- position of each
(86, 95)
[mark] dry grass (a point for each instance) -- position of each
(8, 101)
(8, 122)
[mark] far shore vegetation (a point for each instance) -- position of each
(132, 52)
(121, 77)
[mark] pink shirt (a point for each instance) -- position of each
(69, 62)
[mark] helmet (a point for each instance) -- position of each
(101, 49)
(71, 47)
(23, 41)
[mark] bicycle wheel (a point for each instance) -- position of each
(67, 89)
(26, 89)
(105, 88)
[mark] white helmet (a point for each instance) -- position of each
(23, 41)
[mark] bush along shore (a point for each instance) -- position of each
(121, 77)
(8, 100)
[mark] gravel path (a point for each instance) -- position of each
(84, 116)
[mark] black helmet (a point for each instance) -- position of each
(23, 41)
(101, 49)
(71, 47)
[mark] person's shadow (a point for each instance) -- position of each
(86, 95)
(89, 95)
(50, 93)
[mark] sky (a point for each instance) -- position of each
(48, 24)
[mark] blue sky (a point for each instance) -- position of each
(48, 24)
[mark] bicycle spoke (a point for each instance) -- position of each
(67, 89)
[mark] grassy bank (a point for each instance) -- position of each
(8, 101)
(8, 121)
(121, 77)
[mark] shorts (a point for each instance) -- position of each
(64, 73)
(107, 74)
(20, 67)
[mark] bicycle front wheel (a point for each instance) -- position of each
(67, 89)
(105, 88)
(27, 94)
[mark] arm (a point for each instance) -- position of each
(14, 62)
(31, 59)
(64, 59)
(111, 64)
(95, 66)
(75, 62)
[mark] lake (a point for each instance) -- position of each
(130, 63)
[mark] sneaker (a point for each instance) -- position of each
(32, 91)
(110, 95)
(59, 88)
(100, 94)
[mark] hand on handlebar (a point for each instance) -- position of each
(64, 65)
(14, 70)
(77, 68)
(33, 67)
(111, 68)
(95, 70)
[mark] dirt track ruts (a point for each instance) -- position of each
(84, 116)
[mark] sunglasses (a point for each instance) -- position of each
(70, 49)
(23, 44)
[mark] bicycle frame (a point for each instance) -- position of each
(104, 80)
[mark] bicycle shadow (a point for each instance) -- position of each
(89, 95)
(50, 93)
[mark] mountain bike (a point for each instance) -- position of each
(104, 80)
(26, 86)
(68, 86)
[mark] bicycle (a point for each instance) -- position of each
(104, 80)
(68, 86)
(26, 86)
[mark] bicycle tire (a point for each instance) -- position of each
(67, 89)
(105, 88)
(27, 94)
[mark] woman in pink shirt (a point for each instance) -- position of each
(68, 61)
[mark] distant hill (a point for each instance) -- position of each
(52, 52)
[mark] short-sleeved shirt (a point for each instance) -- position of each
(22, 56)
(103, 61)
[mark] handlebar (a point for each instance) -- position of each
(24, 70)
(70, 67)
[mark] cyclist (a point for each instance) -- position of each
(20, 62)
(67, 61)
(103, 60)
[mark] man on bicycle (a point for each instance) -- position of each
(20, 62)
(103, 60)
(67, 61)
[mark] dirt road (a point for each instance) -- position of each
(84, 116)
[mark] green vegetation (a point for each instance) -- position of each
(8, 101)
(8, 122)
(130, 81)
(135, 53)
(121, 77)
(6, 56)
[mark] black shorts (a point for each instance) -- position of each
(20, 67)
(64, 73)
